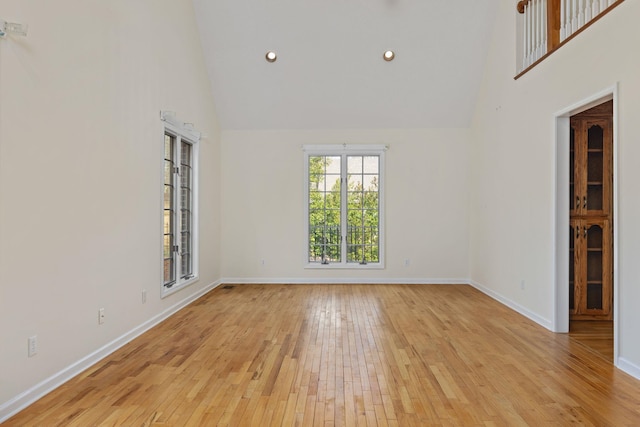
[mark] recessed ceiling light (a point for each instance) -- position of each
(271, 56)
(388, 55)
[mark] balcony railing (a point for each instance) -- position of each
(325, 244)
(548, 24)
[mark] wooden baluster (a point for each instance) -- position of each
(545, 24)
(570, 10)
(525, 37)
(587, 11)
(563, 18)
(567, 30)
(569, 22)
(534, 15)
(595, 8)
(530, 31)
(554, 23)
(581, 14)
(538, 29)
(541, 31)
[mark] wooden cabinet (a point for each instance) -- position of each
(590, 269)
(590, 248)
(590, 184)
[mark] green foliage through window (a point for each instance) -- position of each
(344, 206)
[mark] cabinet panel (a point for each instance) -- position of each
(596, 167)
(590, 271)
(595, 268)
(591, 162)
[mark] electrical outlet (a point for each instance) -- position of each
(32, 348)
(522, 285)
(101, 316)
(407, 262)
(144, 296)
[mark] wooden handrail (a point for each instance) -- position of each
(521, 5)
(554, 25)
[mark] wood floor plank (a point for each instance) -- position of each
(348, 355)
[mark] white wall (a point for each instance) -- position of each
(81, 174)
(513, 164)
(426, 205)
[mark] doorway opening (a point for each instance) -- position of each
(585, 224)
(591, 228)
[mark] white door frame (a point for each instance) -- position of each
(561, 256)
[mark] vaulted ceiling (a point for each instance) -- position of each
(330, 74)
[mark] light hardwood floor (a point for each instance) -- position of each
(352, 355)
(595, 334)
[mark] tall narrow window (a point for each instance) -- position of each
(179, 245)
(186, 208)
(344, 206)
(169, 210)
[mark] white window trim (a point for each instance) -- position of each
(355, 150)
(181, 131)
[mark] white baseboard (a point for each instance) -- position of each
(18, 403)
(546, 323)
(340, 280)
(628, 367)
(623, 364)
(385, 280)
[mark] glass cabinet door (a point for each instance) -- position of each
(595, 274)
(593, 199)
